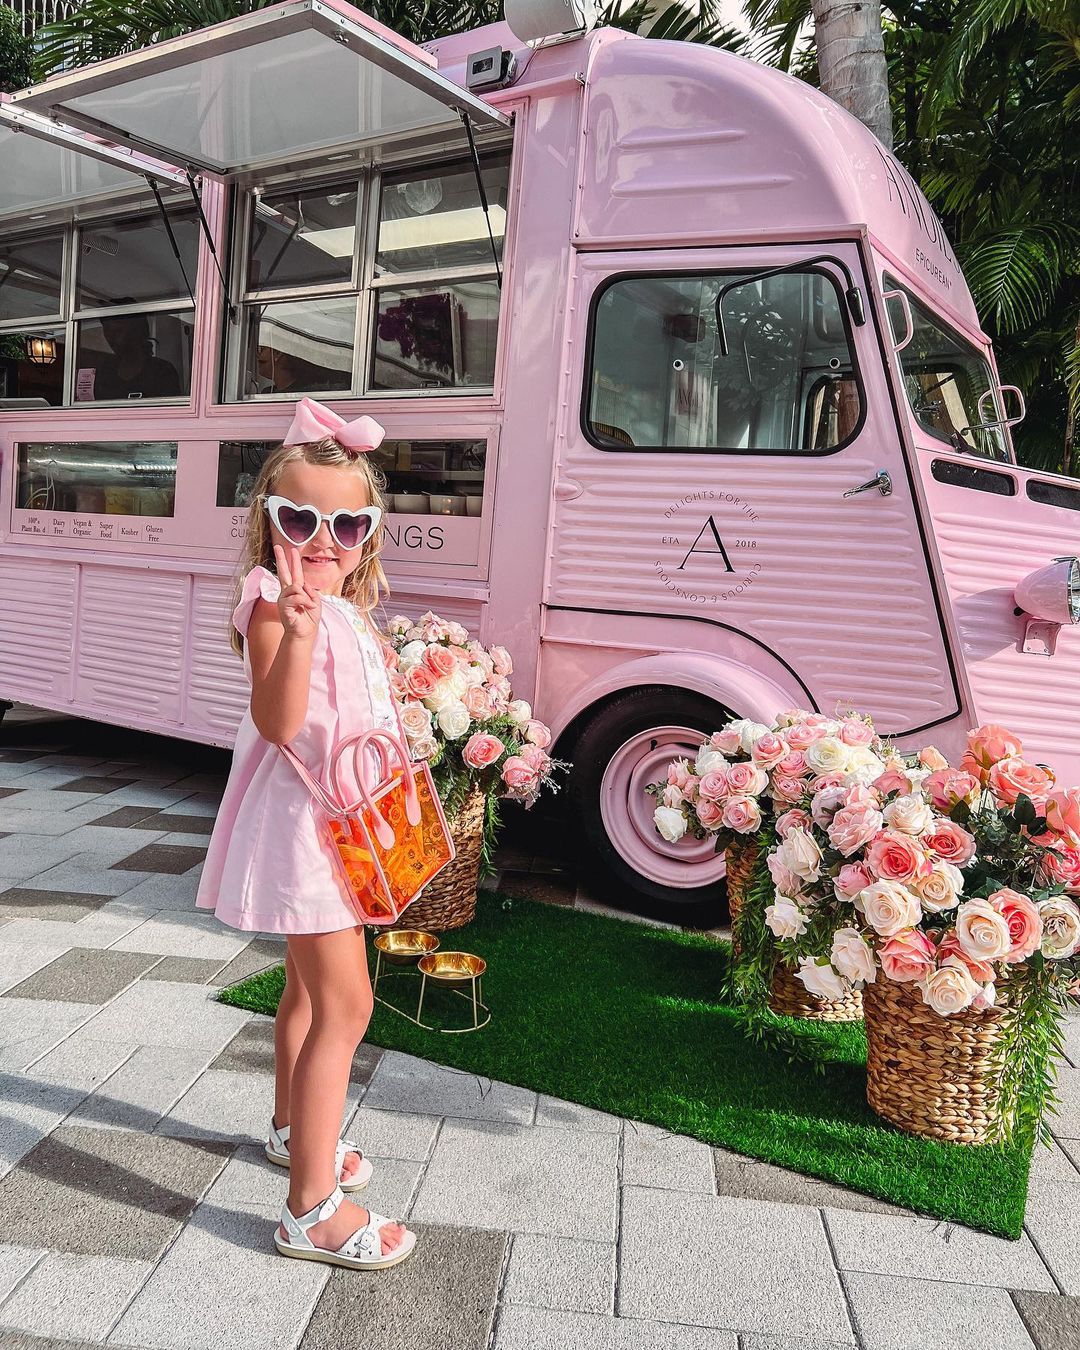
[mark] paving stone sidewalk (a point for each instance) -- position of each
(136, 1207)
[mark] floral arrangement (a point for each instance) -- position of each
(747, 773)
(459, 713)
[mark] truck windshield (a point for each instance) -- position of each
(945, 378)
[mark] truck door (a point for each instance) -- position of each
(731, 475)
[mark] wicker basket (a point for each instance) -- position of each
(933, 1076)
(789, 996)
(449, 900)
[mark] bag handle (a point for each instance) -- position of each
(377, 739)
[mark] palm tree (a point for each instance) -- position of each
(102, 28)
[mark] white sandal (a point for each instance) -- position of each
(362, 1250)
(277, 1150)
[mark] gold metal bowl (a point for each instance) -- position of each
(452, 967)
(400, 946)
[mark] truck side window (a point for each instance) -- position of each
(660, 379)
(947, 381)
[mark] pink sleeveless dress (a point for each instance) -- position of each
(268, 868)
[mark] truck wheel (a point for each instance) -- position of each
(627, 745)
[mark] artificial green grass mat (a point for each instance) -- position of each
(627, 1019)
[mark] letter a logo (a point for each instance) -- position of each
(720, 550)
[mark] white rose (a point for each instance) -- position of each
(1061, 928)
(453, 720)
(400, 625)
(826, 803)
(442, 694)
(670, 822)
(416, 720)
(784, 919)
(411, 654)
(822, 980)
(708, 761)
(852, 957)
(426, 747)
(474, 675)
(828, 755)
(519, 712)
(459, 684)
(748, 733)
(889, 907)
(911, 814)
(951, 988)
(863, 765)
(941, 889)
(982, 932)
(800, 854)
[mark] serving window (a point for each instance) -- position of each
(721, 362)
(96, 478)
(99, 312)
(374, 282)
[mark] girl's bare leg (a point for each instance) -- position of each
(291, 1027)
(333, 970)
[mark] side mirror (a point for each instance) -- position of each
(1009, 420)
(900, 297)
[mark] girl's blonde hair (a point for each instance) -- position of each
(367, 582)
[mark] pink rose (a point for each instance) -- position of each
(478, 703)
(537, 758)
(389, 656)
(793, 765)
(785, 789)
(519, 776)
(768, 750)
(398, 687)
(945, 787)
(536, 733)
(709, 812)
(792, 820)
(746, 779)
(854, 826)
(827, 801)
(950, 842)
(421, 681)
(671, 796)
(851, 879)
(441, 661)
(785, 880)
(803, 736)
(1061, 865)
(481, 750)
(907, 956)
(893, 780)
(500, 659)
(713, 785)
(897, 857)
(1011, 777)
(949, 945)
(1063, 813)
(726, 741)
(987, 745)
(828, 780)
(856, 732)
(742, 814)
(457, 634)
(932, 758)
(432, 628)
(679, 772)
(1025, 925)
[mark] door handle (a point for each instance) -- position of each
(566, 489)
(881, 481)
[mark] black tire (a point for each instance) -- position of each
(613, 879)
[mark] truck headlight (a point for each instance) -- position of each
(1052, 592)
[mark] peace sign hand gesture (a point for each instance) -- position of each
(299, 607)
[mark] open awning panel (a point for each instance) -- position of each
(45, 168)
(283, 86)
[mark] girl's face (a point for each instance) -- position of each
(328, 489)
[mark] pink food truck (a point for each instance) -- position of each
(686, 399)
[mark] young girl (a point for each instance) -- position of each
(317, 676)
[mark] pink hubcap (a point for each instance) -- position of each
(627, 811)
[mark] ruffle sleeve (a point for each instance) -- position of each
(259, 584)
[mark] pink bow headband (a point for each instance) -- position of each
(313, 422)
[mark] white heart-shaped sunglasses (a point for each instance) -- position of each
(299, 524)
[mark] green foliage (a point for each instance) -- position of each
(1035, 1002)
(16, 53)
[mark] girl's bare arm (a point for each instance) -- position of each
(281, 639)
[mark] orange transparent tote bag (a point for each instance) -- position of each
(393, 839)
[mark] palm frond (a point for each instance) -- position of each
(1014, 273)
